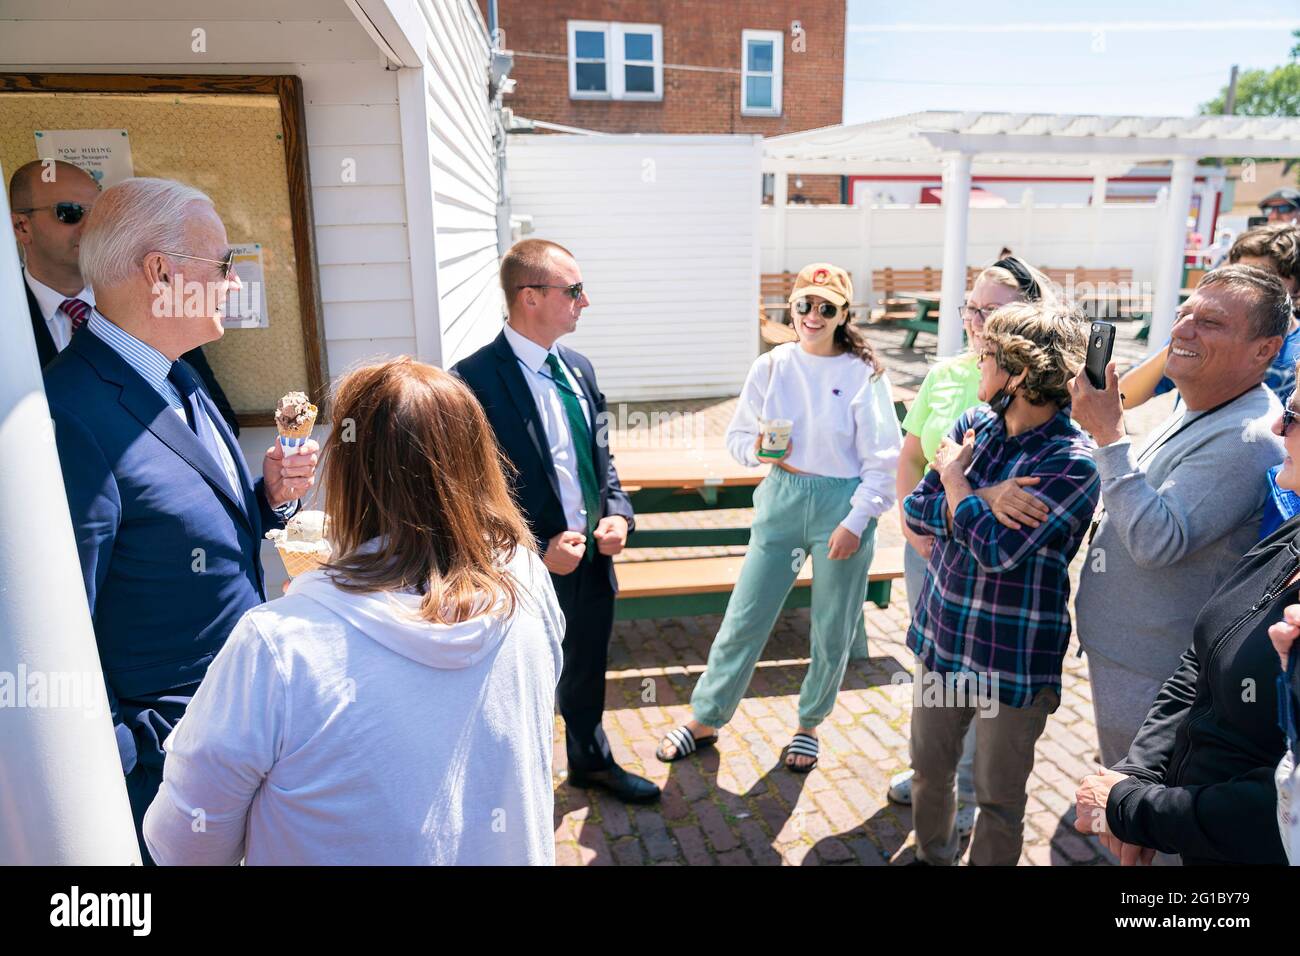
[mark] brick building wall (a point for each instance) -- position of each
(701, 68)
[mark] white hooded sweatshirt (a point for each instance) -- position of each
(340, 728)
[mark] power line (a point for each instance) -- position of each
(1077, 84)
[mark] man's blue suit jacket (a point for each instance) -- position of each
(169, 553)
(495, 377)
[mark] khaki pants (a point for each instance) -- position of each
(1004, 756)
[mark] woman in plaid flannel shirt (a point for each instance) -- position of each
(993, 609)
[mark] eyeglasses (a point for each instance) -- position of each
(227, 264)
(976, 314)
(1284, 209)
(1289, 416)
(574, 291)
(827, 310)
(69, 213)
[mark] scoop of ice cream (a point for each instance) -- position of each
(306, 526)
(305, 531)
(294, 410)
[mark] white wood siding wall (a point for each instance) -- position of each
(351, 113)
(464, 173)
(665, 229)
(361, 243)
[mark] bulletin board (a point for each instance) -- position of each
(241, 140)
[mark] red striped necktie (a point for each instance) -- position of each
(77, 311)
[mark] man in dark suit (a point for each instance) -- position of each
(549, 417)
(49, 201)
(167, 518)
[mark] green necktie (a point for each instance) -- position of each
(580, 438)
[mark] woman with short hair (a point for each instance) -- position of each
(397, 706)
(993, 612)
(949, 389)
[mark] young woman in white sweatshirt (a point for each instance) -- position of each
(820, 500)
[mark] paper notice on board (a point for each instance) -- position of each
(104, 153)
(246, 306)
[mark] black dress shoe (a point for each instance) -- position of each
(628, 787)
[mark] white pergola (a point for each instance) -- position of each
(1105, 146)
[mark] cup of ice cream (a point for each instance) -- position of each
(776, 437)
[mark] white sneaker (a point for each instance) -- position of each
(965, 818)
(900, 788)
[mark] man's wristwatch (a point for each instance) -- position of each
(288, 509)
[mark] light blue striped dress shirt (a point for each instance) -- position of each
(154, 367)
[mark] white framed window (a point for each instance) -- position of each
(615, 61)
(761, 53)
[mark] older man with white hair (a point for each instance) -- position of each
(167, 517)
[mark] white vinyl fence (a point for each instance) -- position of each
(863, 239)
(665, 230)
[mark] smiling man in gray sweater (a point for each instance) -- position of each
(1179, 510)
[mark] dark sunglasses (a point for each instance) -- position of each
(574, 291)
(1283, 208)
(70, 213)
(826, 309)
(1289, 416)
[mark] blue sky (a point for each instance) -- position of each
(1147, 57)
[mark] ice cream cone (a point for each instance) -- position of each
(299, 562)
(293, 437)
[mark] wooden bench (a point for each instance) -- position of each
(891, 286)
(773, 296)
(685, 587)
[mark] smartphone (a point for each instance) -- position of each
(1101, 342)
(1253, 221)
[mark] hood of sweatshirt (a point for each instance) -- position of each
(392, 619)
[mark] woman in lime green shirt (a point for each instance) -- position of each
(949, 389)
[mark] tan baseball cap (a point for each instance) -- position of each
(821, 278)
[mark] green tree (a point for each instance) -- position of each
(1274, 92)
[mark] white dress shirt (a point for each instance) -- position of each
(51, 302)
(555, 421)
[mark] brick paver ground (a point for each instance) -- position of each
(736, 803)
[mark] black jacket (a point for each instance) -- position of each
(494, 376)
(1201, 768)
(46, 353)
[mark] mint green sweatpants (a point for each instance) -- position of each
(794, 516)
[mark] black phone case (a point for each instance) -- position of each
(1099, 354)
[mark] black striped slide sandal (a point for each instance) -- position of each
(684, 743)
(801, 745)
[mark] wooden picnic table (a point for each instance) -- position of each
(926, 302)
(702, 477)
(695, 478)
